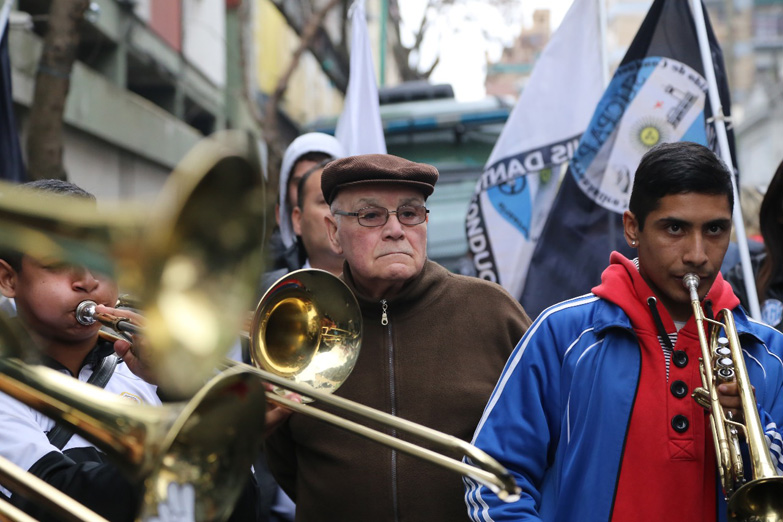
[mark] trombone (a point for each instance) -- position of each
(207, 444)
(193, 256)
(306, 337)
(761, 497)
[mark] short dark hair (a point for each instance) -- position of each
(52, 186)
(300, 192)
(316, 157)
(57, 186)
(677, 168)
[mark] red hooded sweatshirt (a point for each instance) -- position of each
(668, 470)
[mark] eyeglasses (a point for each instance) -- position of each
(408, 215)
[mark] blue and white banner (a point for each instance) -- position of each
(359, 128)
(658, 94)
(515, 193)
(11, 164)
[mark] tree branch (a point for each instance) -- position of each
(334, 64)
(271, 132)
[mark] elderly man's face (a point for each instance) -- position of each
(381, 258)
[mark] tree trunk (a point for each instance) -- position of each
(52, 82)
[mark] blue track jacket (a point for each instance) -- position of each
(560, 412)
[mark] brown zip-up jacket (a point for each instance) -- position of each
(436, 363)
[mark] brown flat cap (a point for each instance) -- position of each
(376, 168)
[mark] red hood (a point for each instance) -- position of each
(623, 285)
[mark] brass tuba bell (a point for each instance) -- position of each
(192, 260)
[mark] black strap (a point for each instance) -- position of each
(61, 433)
(651, 302)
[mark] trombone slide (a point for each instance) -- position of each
(485, 469)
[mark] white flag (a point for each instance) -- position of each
(519, 183)
(359, 128)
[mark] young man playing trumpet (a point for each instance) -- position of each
(47, 293)
(593, 413)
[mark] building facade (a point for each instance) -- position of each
(151, 78)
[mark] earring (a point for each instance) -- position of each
(633, 243)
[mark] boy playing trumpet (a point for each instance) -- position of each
(593, 413)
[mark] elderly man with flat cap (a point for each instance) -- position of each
(433, 346)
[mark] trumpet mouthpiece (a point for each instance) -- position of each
(85, 313)
(690, 281)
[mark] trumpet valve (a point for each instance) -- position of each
(724, 364)
(724, 373)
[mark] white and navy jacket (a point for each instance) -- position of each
(79, 469)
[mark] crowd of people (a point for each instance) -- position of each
(589, 406)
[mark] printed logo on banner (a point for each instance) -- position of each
(650, 101)
(478, 242)
(512, 201)
(772, 312)
(510, 189)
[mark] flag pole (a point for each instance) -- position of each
(723, 144)
(611, 217)
(602, 25)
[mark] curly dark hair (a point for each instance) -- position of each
(771, 225)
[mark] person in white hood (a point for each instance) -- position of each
(307, 152)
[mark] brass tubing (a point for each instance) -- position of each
(761, 497)
(485, 469)
(717, 422)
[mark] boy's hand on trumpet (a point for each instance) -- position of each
(131, 354)
(728, 395)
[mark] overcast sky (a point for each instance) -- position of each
(470, 33)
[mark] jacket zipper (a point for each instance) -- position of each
(393, 397)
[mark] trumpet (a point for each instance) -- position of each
(305, 339)
(761, 497)
(87, 315)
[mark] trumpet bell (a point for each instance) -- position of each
(292, 333)
(307, 329)
(760, 500)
